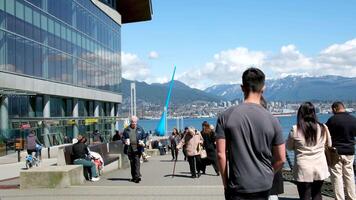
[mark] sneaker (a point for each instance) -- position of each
(95, 179)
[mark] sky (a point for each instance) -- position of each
(213, 41)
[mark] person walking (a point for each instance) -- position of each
(248, 137)
(192, 140)
(342, 128)
(174, 140)
(210, 148)
(184, 149)
(134, 137)
(308, 139)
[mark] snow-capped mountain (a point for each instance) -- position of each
(296, 88)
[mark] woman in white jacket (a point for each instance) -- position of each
(308, 140)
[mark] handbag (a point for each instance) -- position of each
(203, 154)
(332, 157)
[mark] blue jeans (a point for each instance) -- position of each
(87, 163)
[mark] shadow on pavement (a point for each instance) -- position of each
(177, 175)
(284, 198)
(172, 161)
(119, 179)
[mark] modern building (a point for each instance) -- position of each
(60, 66)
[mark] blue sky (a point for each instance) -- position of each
(212, 42)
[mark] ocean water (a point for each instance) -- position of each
(286, 122)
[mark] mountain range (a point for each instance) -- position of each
(296, 88)
(156, 93)
(290, 88)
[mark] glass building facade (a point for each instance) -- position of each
(67, 41)
(69, 54)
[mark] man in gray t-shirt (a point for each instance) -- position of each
(248, 136)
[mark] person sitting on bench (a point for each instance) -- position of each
(81, 156)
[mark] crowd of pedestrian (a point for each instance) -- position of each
(247, 148)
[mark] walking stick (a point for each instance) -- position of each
(174, 167)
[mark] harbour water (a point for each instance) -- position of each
(286, 122)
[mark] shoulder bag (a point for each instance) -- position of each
(332, 157)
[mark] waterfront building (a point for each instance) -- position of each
(60, 66)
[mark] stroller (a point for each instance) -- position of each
(98, 160)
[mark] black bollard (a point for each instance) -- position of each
(18, 155)
(49, 154)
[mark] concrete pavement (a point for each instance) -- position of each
(157, 183)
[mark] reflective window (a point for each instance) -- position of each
(61, 40)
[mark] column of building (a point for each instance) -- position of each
(75, 116)
(46, 114)
(112, 114)
(4, 115)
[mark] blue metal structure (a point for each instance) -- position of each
(161, 129)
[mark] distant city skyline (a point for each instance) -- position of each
(213, 42)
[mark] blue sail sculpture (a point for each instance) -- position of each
(161, 128)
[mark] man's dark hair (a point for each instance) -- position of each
(337, 105)
(253, 80)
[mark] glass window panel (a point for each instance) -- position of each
(50, 25)
(28, 14)
(39, 106)
(20, 55)
(10, 7)
(58, 66)
(74, 37)
(44, 22)
(11, 52)
(29, 58)
(37, 3)
(51, 64)
(37, 56)
(19, 26)
(44, 56)
(36, 19)
(2, 5)
(63, 32)
(3, 43)
(69, 35)
(19, 10)
(57, 29)
(64, 68)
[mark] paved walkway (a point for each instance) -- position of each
(157, 183)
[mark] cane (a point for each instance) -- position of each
(174, 167)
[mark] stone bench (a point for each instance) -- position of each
(52, 177)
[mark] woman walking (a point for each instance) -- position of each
(209, 145)
(308, 140)
(192, 139)
(174, 139)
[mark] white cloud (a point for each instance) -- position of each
(153, 55)
(228, 66)
(133, 68)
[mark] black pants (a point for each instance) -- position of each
(174, 152)
(194, 164)
(230, 195)
(135, 164)
(206, 161)
(310, 190)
